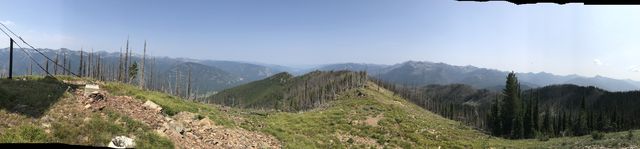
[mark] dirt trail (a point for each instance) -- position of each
(185, 129)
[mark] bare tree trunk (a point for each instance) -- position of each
(98, 74)
(189, 84)
(120, 66)
(80, 71)
(64, 62)
(91, 67)
(177, 82)
(130, 63)
(55, 67)
(152, 69)
(47, 66)
(144, 54)
(126, 61)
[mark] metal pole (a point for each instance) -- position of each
(10, 58)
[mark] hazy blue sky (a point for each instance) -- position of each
(568, 39)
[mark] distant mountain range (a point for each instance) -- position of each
(207, 75)
(213, 75)
(426, 73)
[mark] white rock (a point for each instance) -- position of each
(89, 88)
(122, 142)
(151, 105)
(92, 86)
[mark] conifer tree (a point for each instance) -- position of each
(511, 114)
(528, 118)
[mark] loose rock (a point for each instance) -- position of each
(151, 105)
(122, 142)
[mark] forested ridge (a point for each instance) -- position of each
(287, 93)
(551, 111)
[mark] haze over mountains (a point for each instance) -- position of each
(423, 73)
(212, 75)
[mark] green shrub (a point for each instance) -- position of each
(200, 117)
(152, 140)
(398, 120)
(597, 135)
(65, 133)
(33, 134)
(543, 137)
(630, 135)
(169, 111)
(24, 134)
(140, 97)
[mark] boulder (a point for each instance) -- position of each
(89, 88)
(97, 96)
(177, 127)
(122, 142)
(151, 105)
(205, 122)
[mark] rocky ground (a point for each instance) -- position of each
(186, 130)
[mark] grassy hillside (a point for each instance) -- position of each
(257, 93)
(287, 93)
(45, 110)
(377, 119)
(359, 118)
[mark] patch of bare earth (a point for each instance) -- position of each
(185, 129)
(373, 121)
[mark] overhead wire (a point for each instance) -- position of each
(26, 43)
(27, 53)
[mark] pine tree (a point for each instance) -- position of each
(528, 118)
(133, 71)
(535, 115)
(546, 123)
(512, 119)
(581, 128)
(494, 118)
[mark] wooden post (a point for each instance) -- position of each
(10, 58)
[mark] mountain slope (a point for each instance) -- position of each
(284, 92)
(203, 78)
(557, 99)
(246, 71)
(603, 82)
(380, 119)
(258, 93)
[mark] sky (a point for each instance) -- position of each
(560, 39)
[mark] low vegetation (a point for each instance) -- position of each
(362, 117)
(59, 121)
